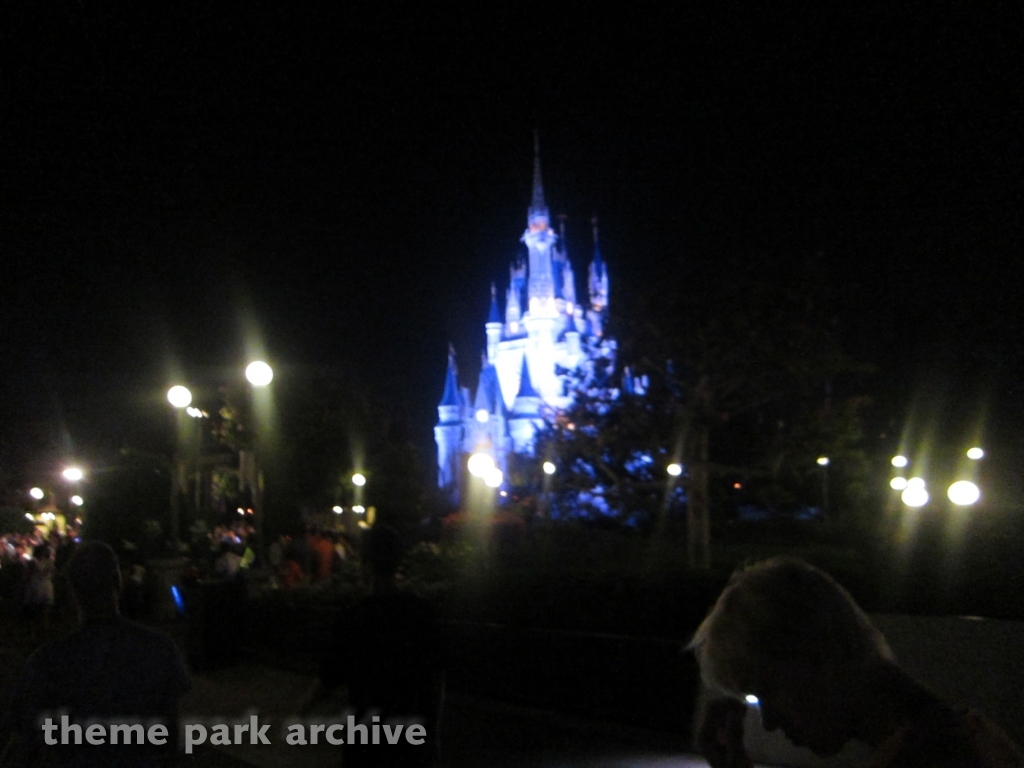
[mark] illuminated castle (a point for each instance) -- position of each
(546, 341)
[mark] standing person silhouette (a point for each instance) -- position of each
(109, 670)
(387, 651)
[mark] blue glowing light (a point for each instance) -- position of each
(178, 601)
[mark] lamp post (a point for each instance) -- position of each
(259, 374)
(180, 397)
(823, 462)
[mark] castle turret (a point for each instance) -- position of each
(598, 287)
(493, 326)
(449, 430)
(525, 421)
(539, 239)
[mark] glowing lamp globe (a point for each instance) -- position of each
(915, 496)
(479, 464)
(179, 396)
(493, 477)
(482, 415)
(74, 474)
(37, 494)
(259, 373)
(898, 483)
(549, 468)
(359, 479)
(77, 500)
(963, 493)
(823, 461)
(975, 453)
(674, 469)
(899, 461)
(751, 699)
(916, 482)
(337, 510)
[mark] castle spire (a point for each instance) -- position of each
(451, 383)
(493, 316)
(538, 208)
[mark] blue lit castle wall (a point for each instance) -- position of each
(532, 353)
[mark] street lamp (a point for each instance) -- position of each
(37, 494)
(823, 462)
(259, 373)
(549, 468)
(77, 500)
(674, 469)
(179, 396)
(963, 493)
(899, 461)
(975, 453)
(73, 474)
(359, 479)
(479, 464)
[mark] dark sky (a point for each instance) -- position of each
(340, 185)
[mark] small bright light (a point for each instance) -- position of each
(241, 511)
(504, 493)
(915, 482)
(359, 509)
(963, 493)
(513, 327)
(359, 479)
(28, 516)
(74, 474)
(914, 496)
(823, 461)
(737, 486)
(899, 461)
(898, 483)
(77, 500)
(493, 477)
(259, 373)
(479, 464)
(48, 516)
(975, 453)
(337, 510)
(36, 493)
(549, 468)
(751, 699)
(195, 413)
(674, 469)
(568, 307)
(179, 396)
(482, 415)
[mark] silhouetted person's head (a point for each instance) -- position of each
(382, 552)
(95, 576)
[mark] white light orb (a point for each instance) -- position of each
(74, 474)
(963, 493)
(899, 461)
(898, 483)
(479, 463)
(482, 415)
(674, 469)
(975, 453)
(337, 510)
(359, 479)
(823, 461)
(359, 509)
(914, 496)
(549, 468)
(493, 477)
(751, 699)
(37, 494)
(915, 482)
(28, 516)
(179, 396)
(259, 373)
(77, 500)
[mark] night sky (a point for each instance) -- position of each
(339, 186)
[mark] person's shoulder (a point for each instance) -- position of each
(951, 738)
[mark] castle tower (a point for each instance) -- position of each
(539, 239)
(598, 287)
(493, 326)
(449, 430)
(525, 420)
